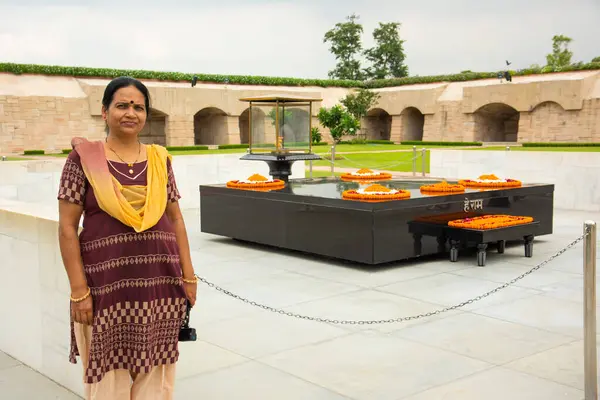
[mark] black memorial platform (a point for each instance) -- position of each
(311, 216)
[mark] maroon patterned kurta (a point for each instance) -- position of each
(135, 280)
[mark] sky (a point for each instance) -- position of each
(285, 38)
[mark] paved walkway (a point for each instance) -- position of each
(522, 343)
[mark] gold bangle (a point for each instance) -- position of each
(85, 296)
(195, 280)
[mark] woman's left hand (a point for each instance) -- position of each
(190, 292)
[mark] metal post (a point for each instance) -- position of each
(414, 160)
(332, 160)
(589, 308)
(423, 153)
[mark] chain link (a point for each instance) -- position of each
(400, 319)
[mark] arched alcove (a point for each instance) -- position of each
(244, 125)
(377, 125)
(154, 131)
(548, 122)
(496, 122)
(258, 125)
(210, 126)
(413, 122)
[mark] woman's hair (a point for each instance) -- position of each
(121, 82)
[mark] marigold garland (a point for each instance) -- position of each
(489, 181)
(442, 187)
(375, 192)
(444, 218)
(257, 182)
(365, 173)
(490, 222)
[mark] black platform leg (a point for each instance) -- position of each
(529, 246)
(280, 169)
(454, 245)
(481, 254)
(441, 241)
(417, 243)
(501, 246)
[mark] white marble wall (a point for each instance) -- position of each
(37, 181)
(576, 175)
(34, 294)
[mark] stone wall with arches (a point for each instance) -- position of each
(45, 112)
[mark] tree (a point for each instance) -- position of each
(284, 115)
(360, 102)
(387, 57)
(345, 46)
(339, 122)
(561, 55)
(596, 60)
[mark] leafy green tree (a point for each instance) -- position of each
(596, 59)
(561, 55)
(339, 122)
(360, 102)
(345, 45)
(387, 56)
(284, 115)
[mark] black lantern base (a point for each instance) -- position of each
(280, 165)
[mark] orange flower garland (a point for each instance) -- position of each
(490, 181)
(375, 193)
(257, 182)
(365, 174)
(442, 187)
(489, 222)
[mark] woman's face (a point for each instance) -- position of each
(126, 114)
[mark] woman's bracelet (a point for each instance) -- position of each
(195, 280)
(82, 298)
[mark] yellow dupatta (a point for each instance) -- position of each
(139, 207)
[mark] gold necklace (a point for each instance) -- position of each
(130, 165)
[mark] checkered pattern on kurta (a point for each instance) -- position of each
(135, 280)
(73, 183)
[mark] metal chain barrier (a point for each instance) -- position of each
(400, 319)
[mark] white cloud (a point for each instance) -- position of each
(285, 38)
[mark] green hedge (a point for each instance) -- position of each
(170, 76)
(67, 151)
(273, 81)
(473, 76)
(34, 152)
(379, 142)
(186, 148)
(233, 146)
(421, 143)
(358, 141)
(555, 144)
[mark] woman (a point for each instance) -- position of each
(130, 269)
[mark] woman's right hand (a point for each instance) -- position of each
(83, 312)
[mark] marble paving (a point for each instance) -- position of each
(524, 342)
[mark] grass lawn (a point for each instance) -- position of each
(351, 148)
(400, 161)
(321, 174)
(564, 149)
(17, 159)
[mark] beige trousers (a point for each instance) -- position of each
(119, 384)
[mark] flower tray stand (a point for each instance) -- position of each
(463, 237)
